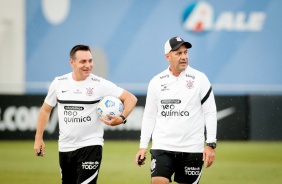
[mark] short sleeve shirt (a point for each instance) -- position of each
(79, 124)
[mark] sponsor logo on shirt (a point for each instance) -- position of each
(164, 76)
(164, 87)
(191, 76)
(171, 101)
(77, 92)
(95, 79)
(71, 115)
(169, 108)
(77, 108)
(62, 78)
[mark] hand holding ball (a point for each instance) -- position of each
(109, 105)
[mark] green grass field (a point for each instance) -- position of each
(236, 162)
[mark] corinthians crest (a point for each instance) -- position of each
(189, 84)
(89, 91)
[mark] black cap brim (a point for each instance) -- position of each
(187, 44)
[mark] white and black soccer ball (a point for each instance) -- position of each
(109, 105)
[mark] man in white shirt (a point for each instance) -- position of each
(80, 129)
(180, 106)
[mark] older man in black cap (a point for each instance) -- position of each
(180, 106)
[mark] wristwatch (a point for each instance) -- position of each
(212, 145)
(123, 118)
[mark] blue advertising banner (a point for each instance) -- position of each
(236, 44)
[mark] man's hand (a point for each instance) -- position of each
(140, 157)
(208, 156)
(112, 120)
(39, 147)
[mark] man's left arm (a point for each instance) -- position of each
(129, 102)
(210, 116)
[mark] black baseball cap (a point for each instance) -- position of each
(174, 43)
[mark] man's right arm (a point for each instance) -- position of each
(148, 123)
(42, 121)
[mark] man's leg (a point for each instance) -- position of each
(88, 164)
(68, 168)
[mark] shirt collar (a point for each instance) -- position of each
(181, 74)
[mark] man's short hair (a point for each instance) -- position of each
(77, 48)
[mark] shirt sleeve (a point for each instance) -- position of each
(209, 110)
(51, 98)
(149, 116)
(112, 89)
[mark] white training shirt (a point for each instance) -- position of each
(177, 110)
(79, 123)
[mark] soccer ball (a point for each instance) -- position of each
(109, 105)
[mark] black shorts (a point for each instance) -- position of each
(81, 166)
(186, 167)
